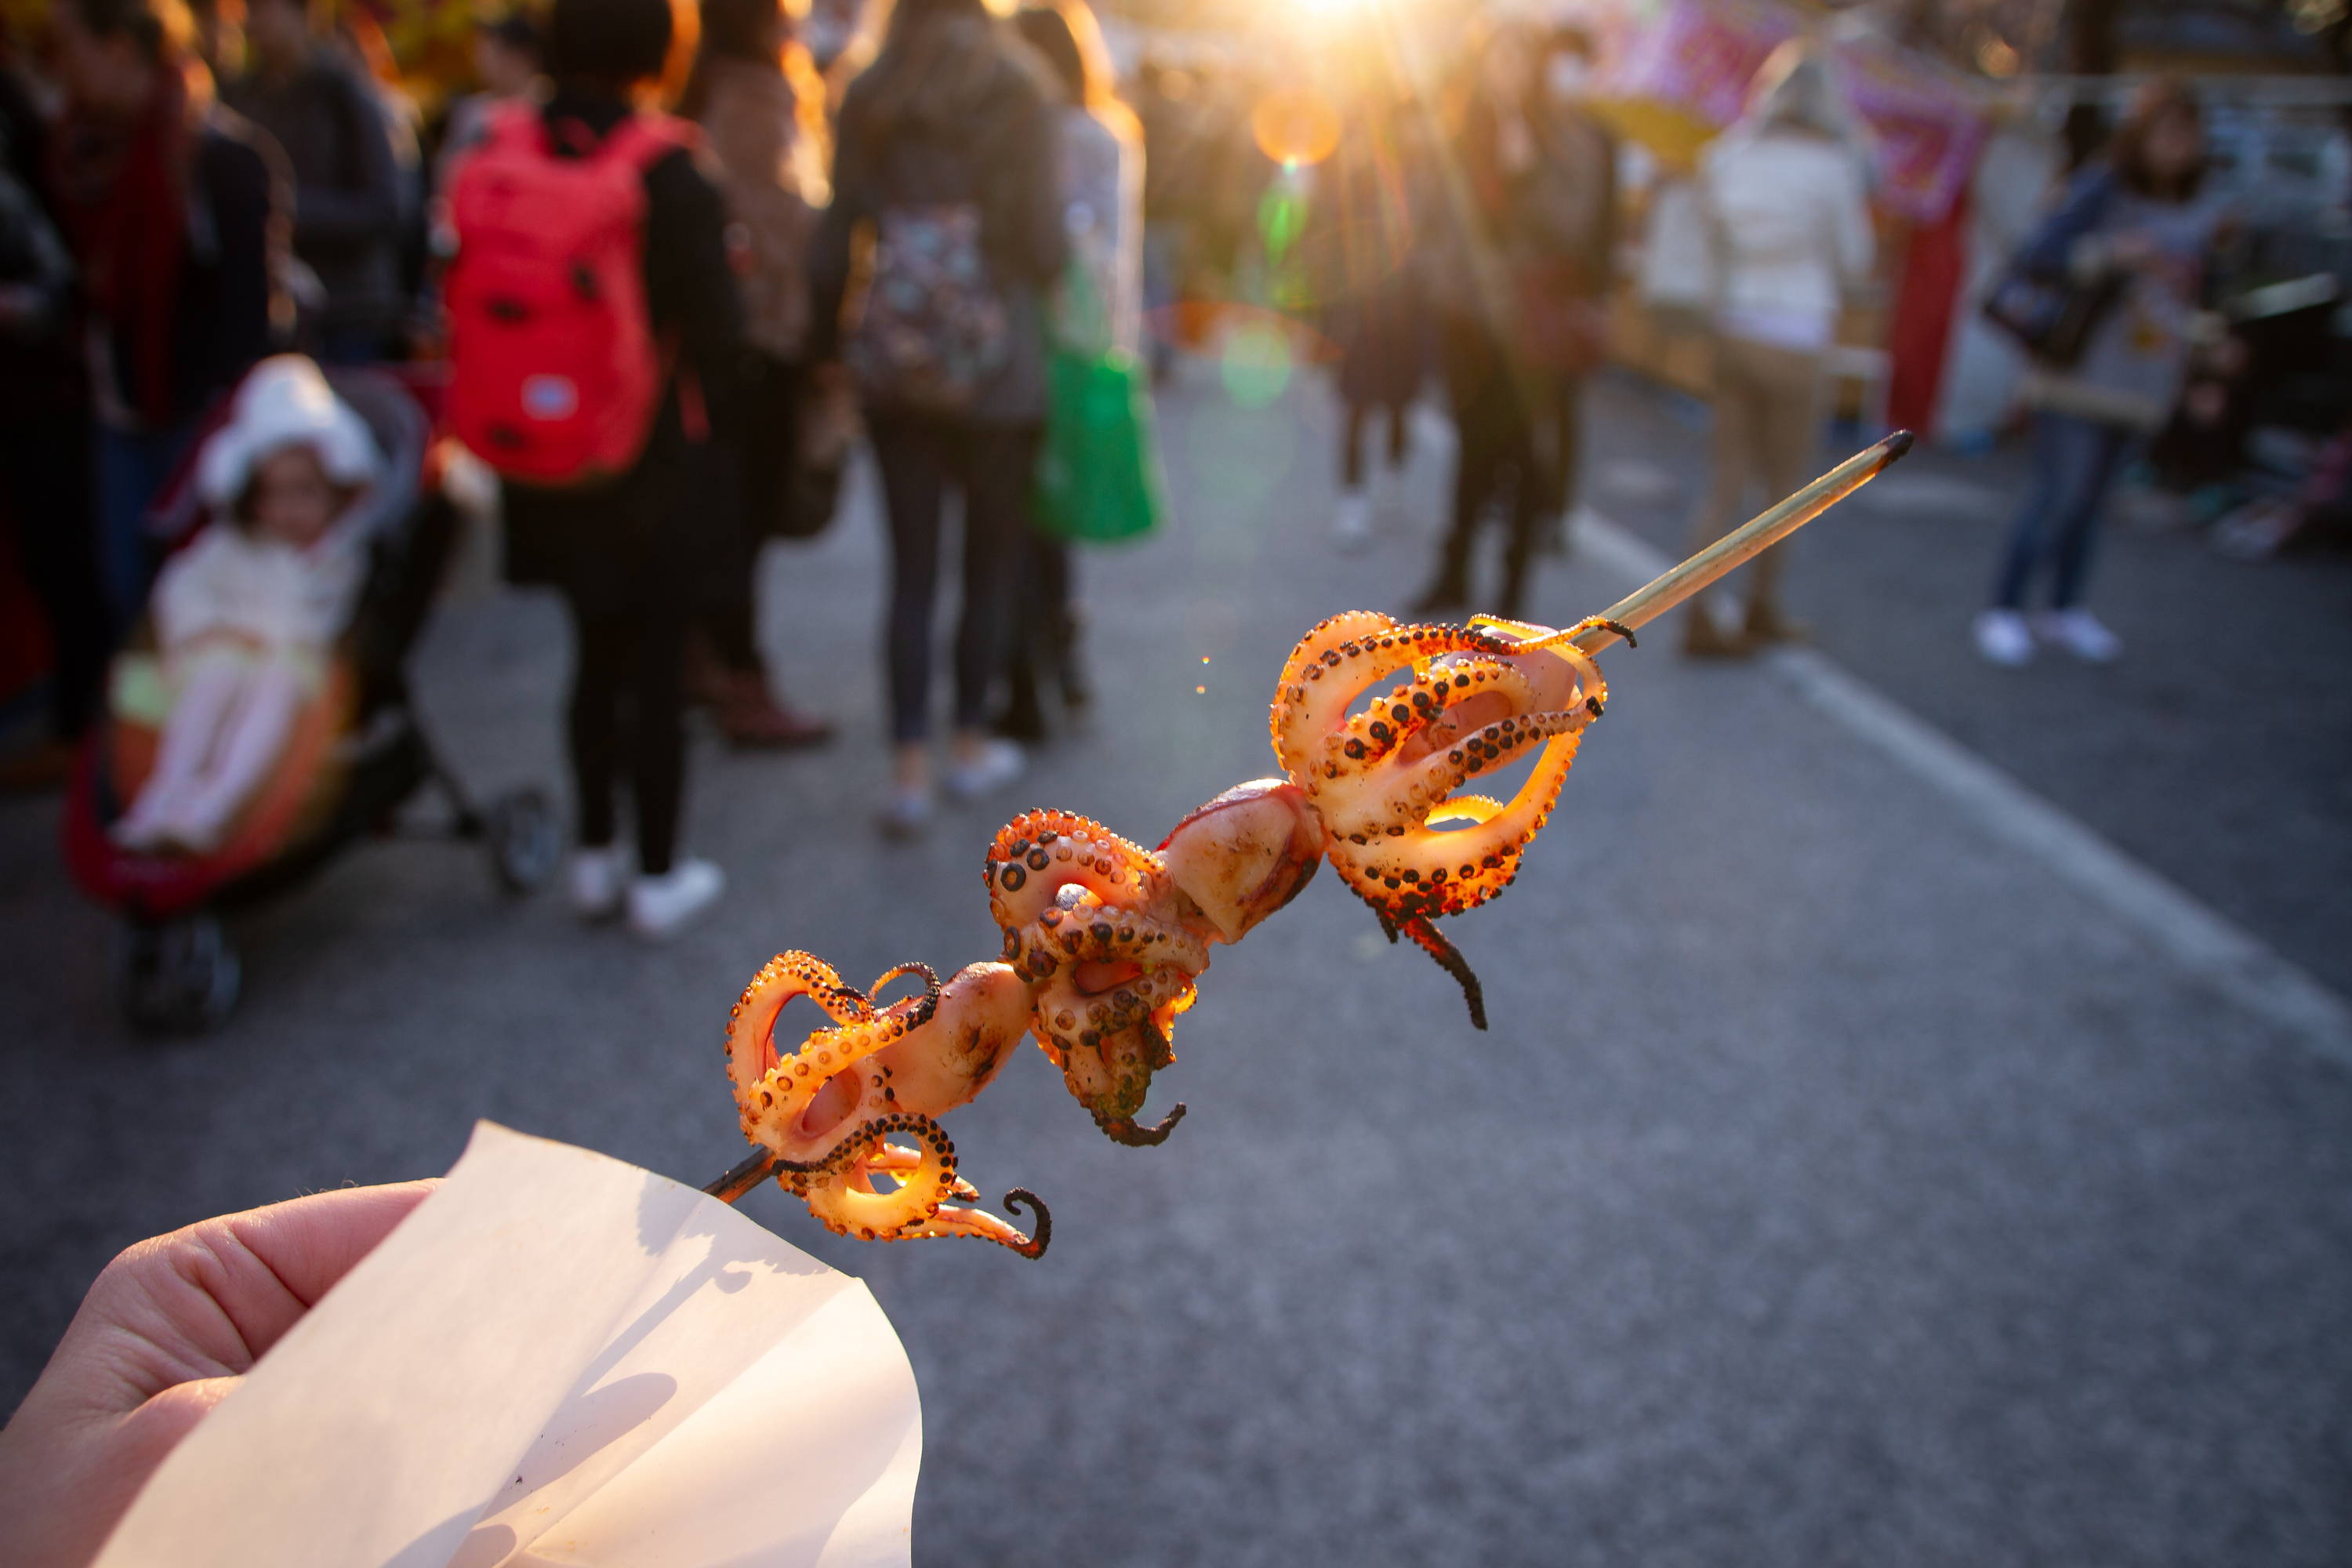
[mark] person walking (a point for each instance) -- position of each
(1531, 233)
(947, 155)
(760, 105)
(349, 197)
(1573, 209)
(1377, 312)
(44, 469)
(631, 552)
(2132, 234)
(1096, 308)
(1788, 215)
(174, 210)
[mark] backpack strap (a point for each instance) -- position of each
(644, 140)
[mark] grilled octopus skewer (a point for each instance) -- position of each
(1104, 941)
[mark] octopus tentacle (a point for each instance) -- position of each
(1435, 943)
(1382, 782)
(843, 1198)
(1124, 1130)
(750, 1047)
(1014, 1200)
(1038, 853)
(889, 1160)
(776, 1108)
(1334, 663)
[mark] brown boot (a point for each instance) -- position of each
(1766, 623)
(752, 718)
(1703, 639)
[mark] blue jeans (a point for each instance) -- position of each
(132, 465)
(2074, 465)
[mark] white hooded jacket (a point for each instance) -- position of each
(231, 582)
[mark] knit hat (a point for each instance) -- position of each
(285, 402)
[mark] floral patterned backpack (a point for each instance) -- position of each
(933, 330)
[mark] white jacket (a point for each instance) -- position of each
(1792, 223)
(232, 582)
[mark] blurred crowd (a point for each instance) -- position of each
(659, 267)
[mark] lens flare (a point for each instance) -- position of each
(1296, 126)
(1255, 362)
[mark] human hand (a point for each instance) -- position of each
(163, 1336)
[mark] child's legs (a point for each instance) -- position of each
(208, 689)
(252, 739)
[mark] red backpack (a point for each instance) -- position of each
(554, 374)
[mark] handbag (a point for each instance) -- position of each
(1098, 477)
(2053, 318)
(2051, 313)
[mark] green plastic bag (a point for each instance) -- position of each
(1098, 479)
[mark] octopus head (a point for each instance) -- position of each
(984, 1011)
(1245, 854)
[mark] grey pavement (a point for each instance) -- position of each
(1837, 1186)
(2219, 751)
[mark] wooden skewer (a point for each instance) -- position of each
(735, 1185)
(1746, 542)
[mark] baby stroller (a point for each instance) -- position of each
(356, 755)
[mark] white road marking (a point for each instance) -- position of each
(2195, 938)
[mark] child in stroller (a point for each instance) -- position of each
(263, 720)
(247, 615)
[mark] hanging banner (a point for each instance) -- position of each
(1684, 76)
(1924, 130)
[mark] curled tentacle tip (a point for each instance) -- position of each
(1033, 1248)
(1623, 630)
(1123, 1130)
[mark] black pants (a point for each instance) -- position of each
(1351, 441)
(1500, 460)
(625, 714)
(994, 466)
(45, 465)
(766, 448)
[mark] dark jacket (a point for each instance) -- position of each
(953, 110)
(646, 541)
(347, 185)
(229, 313)
(40, 362)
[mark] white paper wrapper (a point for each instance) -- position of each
(557, 1359)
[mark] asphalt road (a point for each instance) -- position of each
(1836, 1185)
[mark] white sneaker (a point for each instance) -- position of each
(2080, 633)
(1352, 525)
(906, 815)
(2003, 637)
(596, 879)
(660, 906)
(999, 763)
